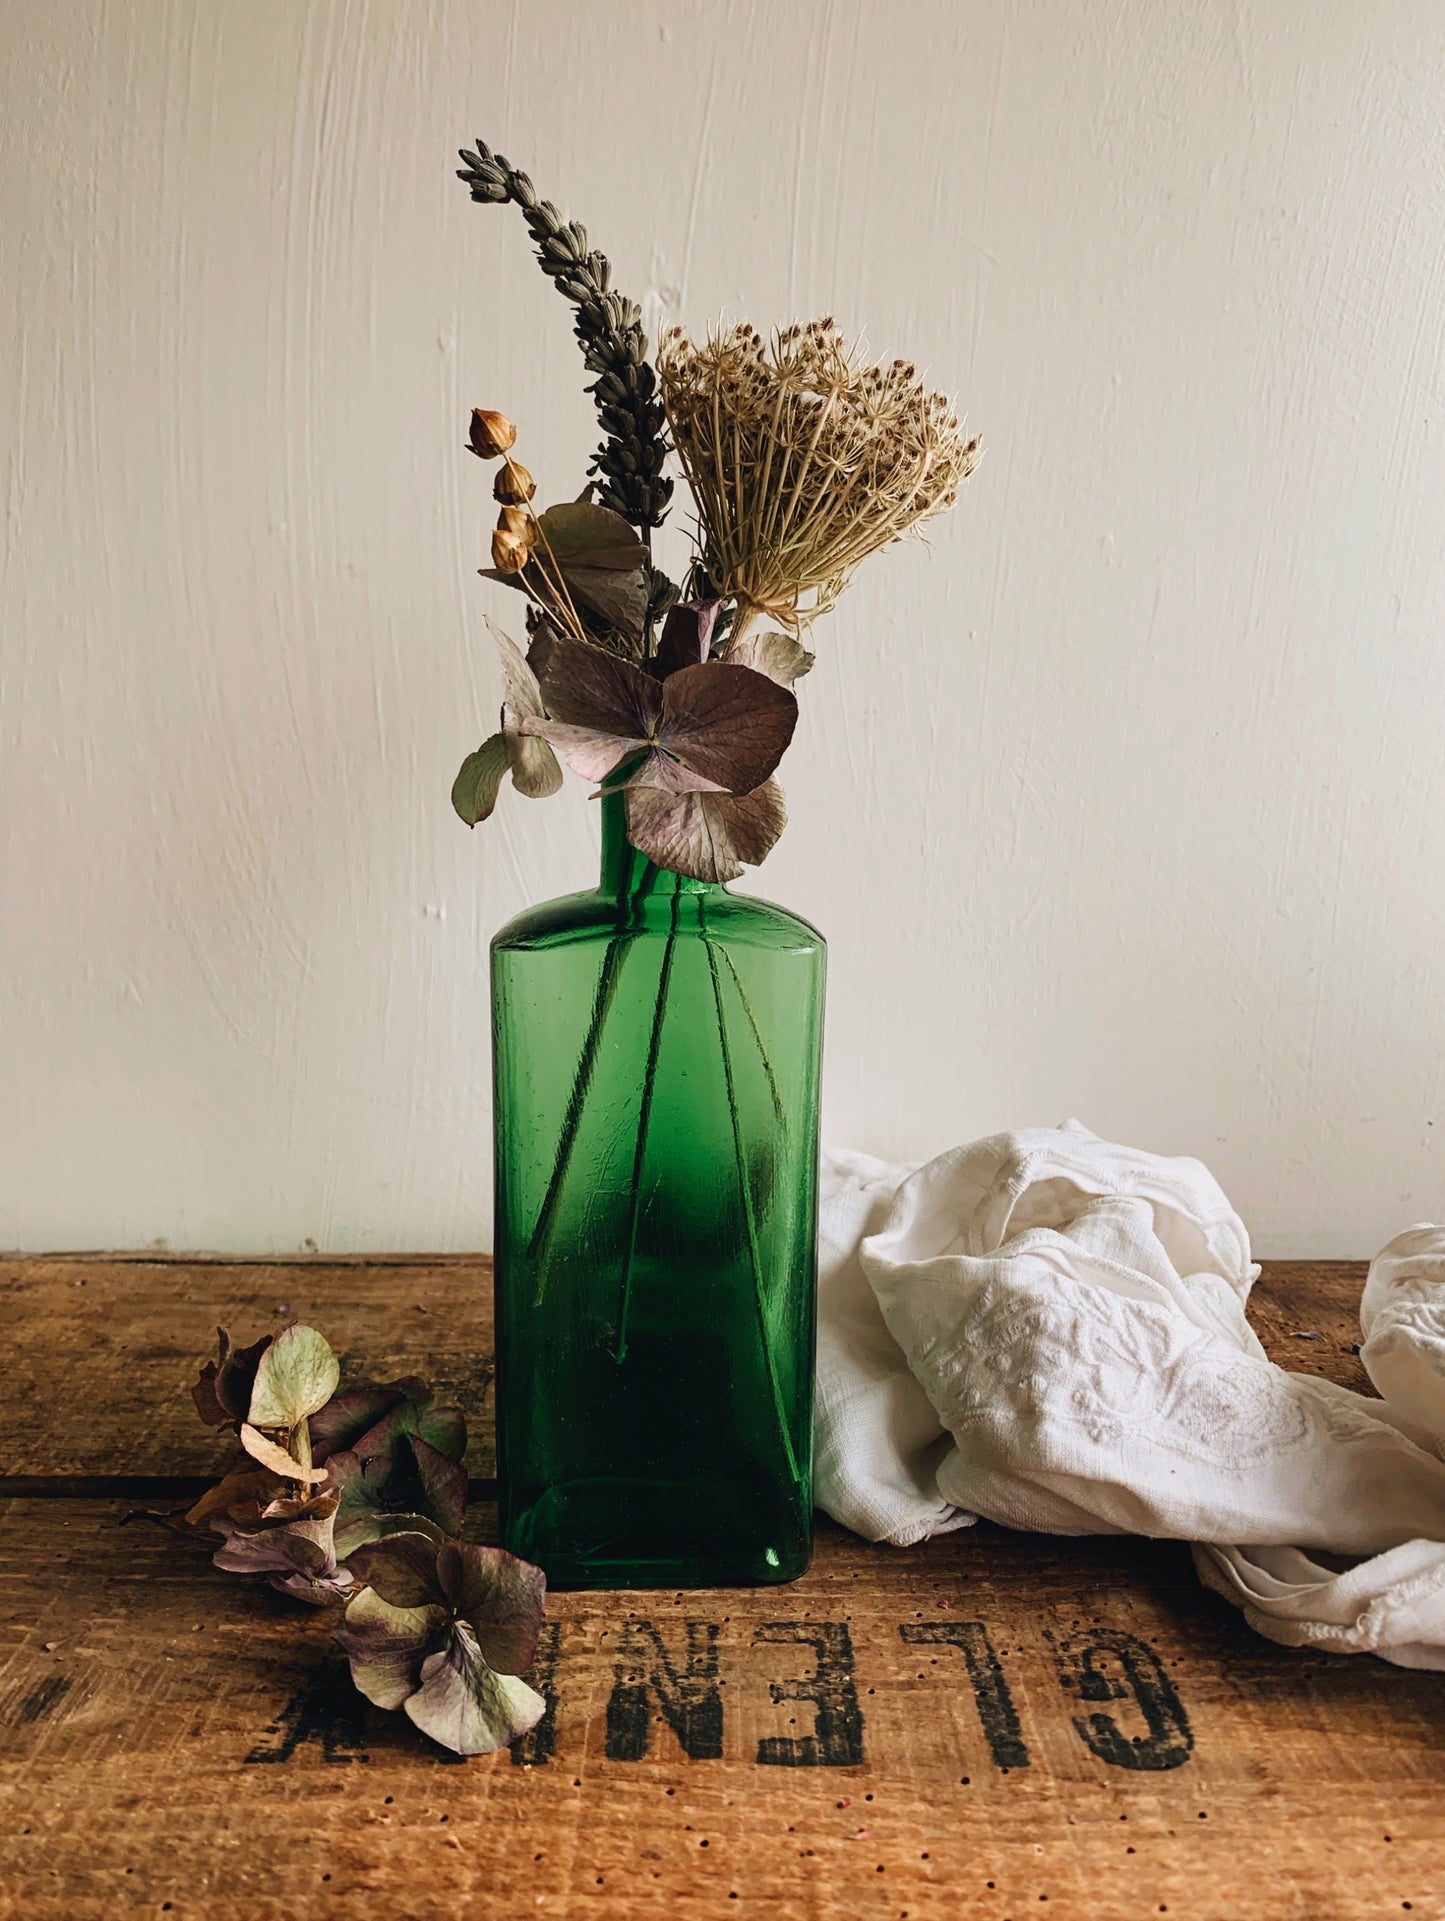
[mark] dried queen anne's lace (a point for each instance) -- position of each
(804, 459)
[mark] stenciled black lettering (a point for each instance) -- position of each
(837, 1737)
(536, 1748)
(1087, 1665)
(687, 1692)
(327, 1710)
(997, 1714)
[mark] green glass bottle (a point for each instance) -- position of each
(657, 1045)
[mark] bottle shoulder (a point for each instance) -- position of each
(596, 916)
(755, 917)
(568, 917)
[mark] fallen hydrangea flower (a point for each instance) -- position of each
(442, 1630)
(297, 1556)
(366, 1486)
(406, 1452)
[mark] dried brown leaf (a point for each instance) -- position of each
(242, 1492)
(600, 559)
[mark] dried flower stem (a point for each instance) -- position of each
(745, 1190)
(577, 1099)
(644, 1121)
(779, 1112)
(558, 582)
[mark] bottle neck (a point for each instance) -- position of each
(628, 875)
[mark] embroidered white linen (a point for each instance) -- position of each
(1049, 1330)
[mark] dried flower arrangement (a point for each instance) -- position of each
(356, 1498)
(802, 460)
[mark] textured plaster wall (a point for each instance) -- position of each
(1126, 800)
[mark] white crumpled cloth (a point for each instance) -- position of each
(1048, 1329)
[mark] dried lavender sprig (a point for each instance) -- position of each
(609, 327)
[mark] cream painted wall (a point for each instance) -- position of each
(1127, 800)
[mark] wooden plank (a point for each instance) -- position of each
(900, 1734)
(95, 1378)
(1307, 1313)
(993, 1723)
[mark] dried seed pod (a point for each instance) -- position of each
(513, 484)
(510, 553)
(492, 433)
(516, 520)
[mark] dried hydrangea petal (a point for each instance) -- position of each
(779, 656)
(479, 780)
(361, 1485)
(443, 1484)
(297, 1376)
(592, 754)
(686, 636)
(584, 686)
(501, 1597)
(535, 772)
(706, 836)
(347, 1417)
(299, 1557)
(222, 1394)
(707, 727)
(354, 1534)
(387, 1645)
(727, 725)
(401, 1569)
(440, 1424)
(270, 1454)
(463, 1704)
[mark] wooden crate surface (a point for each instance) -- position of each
(993, 1725)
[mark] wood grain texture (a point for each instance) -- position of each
(99, 1383)
(193, 1741)
(115, 1342)
(993, 1724)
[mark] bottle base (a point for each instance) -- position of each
(609, 1534)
